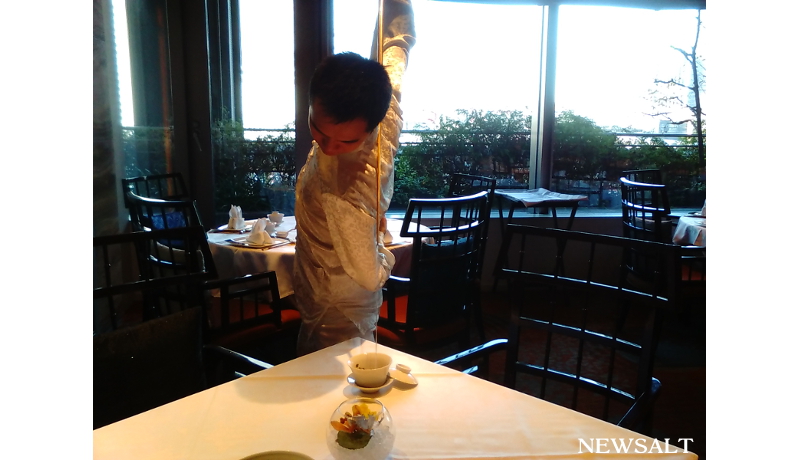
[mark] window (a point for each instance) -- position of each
(144, 77)
(254, 156)
(267, 65)
(474, 67)
(470, 100)
(608, 60)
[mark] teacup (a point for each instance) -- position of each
(276, 217)
(370, 370)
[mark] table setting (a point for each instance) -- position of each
(248, 246)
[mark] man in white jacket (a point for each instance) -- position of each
(341, 263)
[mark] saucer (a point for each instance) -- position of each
(352, 381)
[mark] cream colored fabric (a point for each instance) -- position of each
(449, 415)
(340, 262)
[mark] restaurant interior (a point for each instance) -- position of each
(603, 314)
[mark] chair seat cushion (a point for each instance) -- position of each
(235, 314)
(247, 335)
(249, 327)
(394, 337)
(174, 219)
(691, 272)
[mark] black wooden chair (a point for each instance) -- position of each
(589, 337)
(647, 176)
(433, 305)
(145, 363)
(646, 215)
(146, 259)
(169, 255)
(169, 187)
(464, 185)
(250, 317)
(645, 211)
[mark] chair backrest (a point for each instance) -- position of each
(157, 214)
(170, 187)
(645, 211)
(647, 176)
(246, 314)
(468, 184)
(445, 257)
(595, 335)
(144, 366)
(167, 278)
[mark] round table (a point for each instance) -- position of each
(690, 231)
(234, 261)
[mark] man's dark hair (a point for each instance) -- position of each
(349, 86)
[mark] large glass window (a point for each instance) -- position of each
(254, 164)
(470, 89)
(608, 62)
(267, 33)
(143, 65)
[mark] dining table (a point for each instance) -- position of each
(690, 230)
(540, 198)
(447, 415)
(233, 258)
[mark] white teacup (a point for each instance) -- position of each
(370, 370)
(276, 217)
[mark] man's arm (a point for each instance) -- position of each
(398, 38)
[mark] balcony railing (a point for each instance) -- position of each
(256, 168)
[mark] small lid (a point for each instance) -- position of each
(402, 374)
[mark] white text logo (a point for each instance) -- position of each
(630, 445)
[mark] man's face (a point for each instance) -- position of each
(335, 138)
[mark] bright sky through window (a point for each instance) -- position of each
(470, 56)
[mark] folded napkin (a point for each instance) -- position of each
(260, 232)
(387, 237)
(235, 221)
(703, 211)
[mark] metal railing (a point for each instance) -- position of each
(261, 163)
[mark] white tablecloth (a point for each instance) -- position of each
(690, 231)
(237, 261)
(540, 197)
(450, 415)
